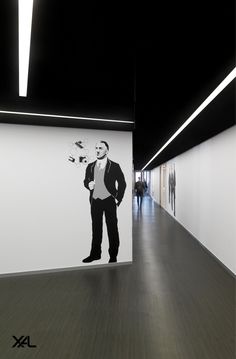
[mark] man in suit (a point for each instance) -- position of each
(106, 183)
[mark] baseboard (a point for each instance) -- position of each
(210, 253)
(69, 269)
(201, 244)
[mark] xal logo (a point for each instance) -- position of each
(22, 342)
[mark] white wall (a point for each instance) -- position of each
(154, 190)
(206, 194)
(44, 207)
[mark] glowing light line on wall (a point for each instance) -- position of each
(64, 116)
(205, 103)
(25, 12)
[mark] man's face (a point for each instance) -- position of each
(101, 150)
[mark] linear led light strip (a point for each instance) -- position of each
(25, 12)
(208, 100)
(61, 116)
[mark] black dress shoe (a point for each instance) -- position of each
(89, 259)
(112, 260)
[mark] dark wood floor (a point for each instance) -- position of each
(174, 301)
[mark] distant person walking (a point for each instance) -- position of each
(139, 188)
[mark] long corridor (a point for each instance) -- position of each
(191, 296)
(174, 302)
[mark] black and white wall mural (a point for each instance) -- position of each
(66, 197)
(106, 184)
(172, 187)
(79, 153)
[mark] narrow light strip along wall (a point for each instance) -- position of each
(205, 103)
(25, 12)
(64, 116)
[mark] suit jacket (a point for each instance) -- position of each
(113, 178)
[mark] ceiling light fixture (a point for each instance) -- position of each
(25, 12)
(205, 103)
(64, 116)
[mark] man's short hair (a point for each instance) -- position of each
(106, 144)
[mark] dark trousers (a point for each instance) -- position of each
(98, 207)
(139, 199)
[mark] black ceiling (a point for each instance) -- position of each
(153, 61)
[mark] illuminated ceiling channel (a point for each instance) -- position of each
(34, 114)
(25, 12)
(209, 99)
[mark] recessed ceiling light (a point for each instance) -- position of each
(205, 103)
(64, 116)
(25, 12)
